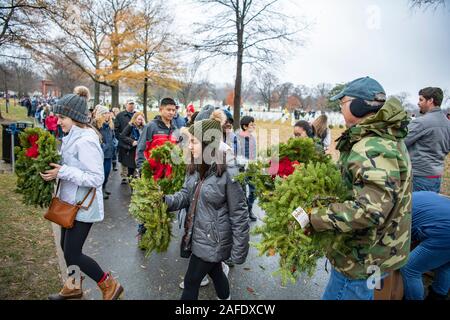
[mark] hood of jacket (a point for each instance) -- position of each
(76, 133)
(390, 122)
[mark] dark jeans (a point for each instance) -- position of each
(131, 172)
(426, 184)
(197, 270)
(114, 158)
(72, 241)
(107, 169)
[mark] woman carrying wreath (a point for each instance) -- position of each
(80, 171)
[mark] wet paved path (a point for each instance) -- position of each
(112, 244)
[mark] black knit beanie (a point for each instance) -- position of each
(74, 105)
(209, 131)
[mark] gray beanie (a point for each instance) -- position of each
(205, 113)
(74, 105)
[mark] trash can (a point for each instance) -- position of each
(6, 137)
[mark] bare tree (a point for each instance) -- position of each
(24, 78)
(246, 30)
(322, 91)
(284, 90)
(402, 97)
(434, 4)
(66, 75)
(204, 89)
(266, 83)
(157, 93)
(75, 33)
(104, 33)
(154, 45)
(188, 87)
(18, 21)
(6, 73)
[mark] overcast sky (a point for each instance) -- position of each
(404, 49)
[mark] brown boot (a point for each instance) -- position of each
(110, 288)
(69, 291)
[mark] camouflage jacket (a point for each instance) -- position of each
(375, 164)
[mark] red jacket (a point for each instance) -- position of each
(51, 122)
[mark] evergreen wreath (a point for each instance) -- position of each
(37, 149)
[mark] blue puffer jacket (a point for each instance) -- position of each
(107, 141)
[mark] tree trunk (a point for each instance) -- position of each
(238, 82)
(96, 93)
(115, 95)
(145, 98)
(237, 93)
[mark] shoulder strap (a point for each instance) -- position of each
(81, 202)
(57, 187)
(90, 202)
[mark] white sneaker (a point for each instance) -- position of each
(225, 268)
(204, 283)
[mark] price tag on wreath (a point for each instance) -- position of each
(301, 216)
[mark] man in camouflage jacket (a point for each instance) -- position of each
(376, 166)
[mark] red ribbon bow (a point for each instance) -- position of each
(159, 170)
(283, 168)
(33, 151)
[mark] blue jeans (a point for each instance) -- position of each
(340, 287)
(426, 184)
(422, 259)
(107, 169)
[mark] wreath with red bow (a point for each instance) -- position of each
(163, 173)
(295, 174)
(280, 162)
(37, 148)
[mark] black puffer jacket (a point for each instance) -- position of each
(220, 228)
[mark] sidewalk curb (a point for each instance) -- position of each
(59, 253)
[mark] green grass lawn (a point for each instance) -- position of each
(28, 262)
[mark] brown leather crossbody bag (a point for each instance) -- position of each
(64, 213)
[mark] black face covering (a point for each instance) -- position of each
(359, 108)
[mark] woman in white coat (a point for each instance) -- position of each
(81, 170)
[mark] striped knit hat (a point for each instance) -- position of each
(74, 105)
(209, 131)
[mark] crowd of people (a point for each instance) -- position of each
(393, 166)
